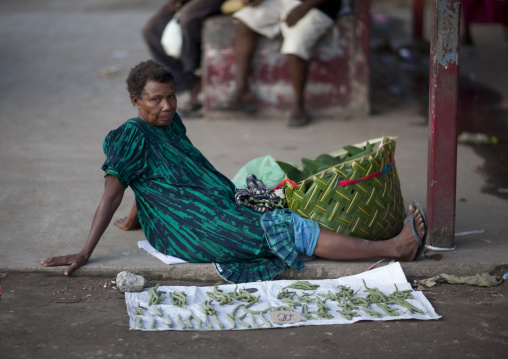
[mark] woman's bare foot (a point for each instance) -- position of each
(127, 225)
(406, 245)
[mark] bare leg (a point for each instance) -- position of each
(245, 46)
(131, 222)
(467, 39)
(192, 107)
(505, 32)
(298, 71)
(194, 93)
(402, 247)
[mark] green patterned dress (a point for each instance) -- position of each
(187, 209)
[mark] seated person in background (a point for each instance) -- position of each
(484, 11)
(192, 14)
(301, 23)
(187, 208)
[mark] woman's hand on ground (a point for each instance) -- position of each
(111, 199)
(73, 261)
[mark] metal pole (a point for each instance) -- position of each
(443, 98)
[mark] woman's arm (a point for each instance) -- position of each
(111, 199)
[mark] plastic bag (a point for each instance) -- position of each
(231, 6)
(264, 168)
(171, 39)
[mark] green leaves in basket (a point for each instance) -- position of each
(326, 161)
(322, 162)
(292, 172)
(355, 152)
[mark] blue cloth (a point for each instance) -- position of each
(289, 235)
(280, 236)
(306, 234)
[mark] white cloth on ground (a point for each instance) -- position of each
(386, 279)
(154, 252)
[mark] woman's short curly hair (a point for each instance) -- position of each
(147, 71)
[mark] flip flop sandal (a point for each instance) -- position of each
(235, 106)
(191, 110)
(299, 121)
(417, 205)
(421, 241)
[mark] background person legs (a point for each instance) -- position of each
(191, 17)
(152, 34)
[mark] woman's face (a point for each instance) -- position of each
(157, 105)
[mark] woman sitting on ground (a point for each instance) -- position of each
(187, 208)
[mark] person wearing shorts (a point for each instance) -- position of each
(301, 24)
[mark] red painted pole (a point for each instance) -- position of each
(443, 98)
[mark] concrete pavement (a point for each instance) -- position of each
(56, 109)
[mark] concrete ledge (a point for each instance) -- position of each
(316, 269)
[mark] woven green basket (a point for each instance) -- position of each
(360, 198)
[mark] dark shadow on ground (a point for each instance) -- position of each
(480, 112)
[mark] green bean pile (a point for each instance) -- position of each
(155, 295)
(303, 285)
(287, 297)
(399, 298)
(139, 322)
(157, 311)
(208, 310)
(323, 309)
(218, 295)
(139, 309)
(233, 319)
(179, 299)
(243, 295)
